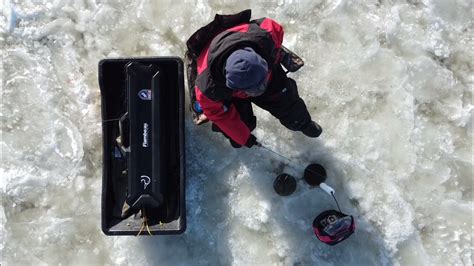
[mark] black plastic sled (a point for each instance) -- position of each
(143, 146)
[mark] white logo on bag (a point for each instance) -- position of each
(145, 180)
(145, 135)
(145, 95)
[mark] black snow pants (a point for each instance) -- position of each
(281, 99)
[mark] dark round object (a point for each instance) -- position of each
(314, 174)
(284, 185)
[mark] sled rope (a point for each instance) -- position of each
(144, 224)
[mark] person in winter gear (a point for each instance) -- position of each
(234, 62)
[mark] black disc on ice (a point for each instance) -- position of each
(314, 174)
(284, 185)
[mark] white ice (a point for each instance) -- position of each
(389, 81)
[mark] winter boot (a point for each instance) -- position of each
(312, 130)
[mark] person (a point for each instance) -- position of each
(234, 62)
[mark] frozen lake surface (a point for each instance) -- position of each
(389, 81)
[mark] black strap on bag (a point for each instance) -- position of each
(191, 72)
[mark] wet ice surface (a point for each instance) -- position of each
(391, 84)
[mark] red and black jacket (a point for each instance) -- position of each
(265, 36)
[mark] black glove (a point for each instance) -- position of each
(234, 144)
(251, 141)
